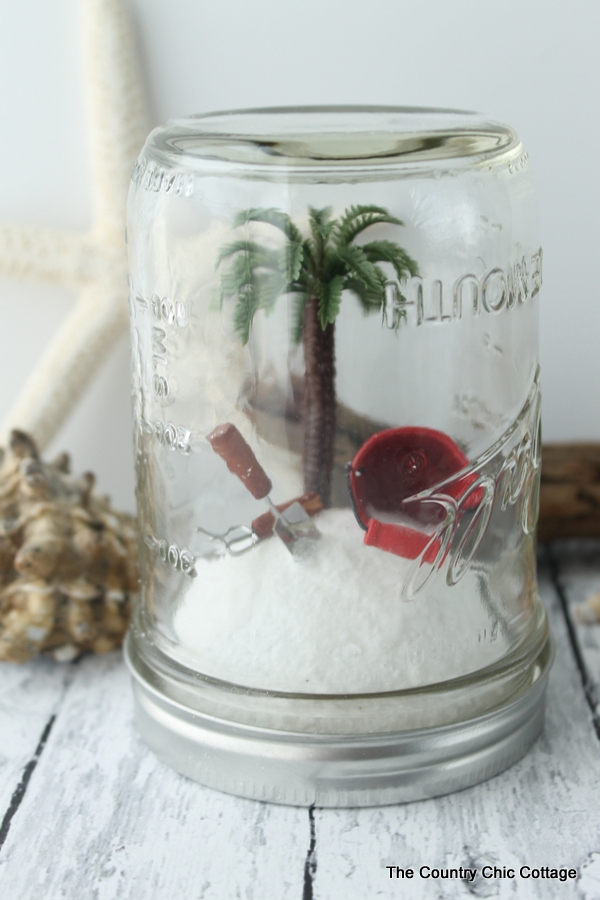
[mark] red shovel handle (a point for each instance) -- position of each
(401, 541)
(239, 457)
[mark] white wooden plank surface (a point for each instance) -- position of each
(575, 570)
(29, 696)
(577, 577)
(102, 819)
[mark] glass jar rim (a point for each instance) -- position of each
(332, 138)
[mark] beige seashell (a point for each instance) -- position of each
(68, 561)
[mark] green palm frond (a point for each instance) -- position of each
(251, 257)
(387, 251)
(261, 292)
(270, 216)
(240, 274)
(353, 229)
(257, 254)
(321, 225)
(359, 266)
(321, 217)
(299, 303)
(353, 212)
(358, 218)
(333, 263)
(369, 300)
(245, 310)
(294, 257)
(269, 286)
(330, 299)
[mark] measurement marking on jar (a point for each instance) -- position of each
(160, 386)
(429, 302)
(159, 347)
(175, 437)
(180, 560)
(160, 382)
(164, 310)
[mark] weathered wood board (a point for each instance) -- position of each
(30, 695)
(575, 568)
(103, 819)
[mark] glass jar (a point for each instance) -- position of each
(337, 439)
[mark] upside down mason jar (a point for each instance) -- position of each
(337, 439)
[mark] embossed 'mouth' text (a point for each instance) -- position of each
(428, 300)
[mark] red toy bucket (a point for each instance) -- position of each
(395, 465)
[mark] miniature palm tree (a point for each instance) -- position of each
(316, 270)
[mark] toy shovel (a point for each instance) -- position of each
(292, 524)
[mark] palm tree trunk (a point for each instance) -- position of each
(319, 402)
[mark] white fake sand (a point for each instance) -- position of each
(331, 623)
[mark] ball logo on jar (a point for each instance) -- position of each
(506, 475)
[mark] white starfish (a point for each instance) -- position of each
(93, 264)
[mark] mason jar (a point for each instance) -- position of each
(337, 441)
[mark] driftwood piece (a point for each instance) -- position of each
(570, 491)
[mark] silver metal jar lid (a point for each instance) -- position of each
(338, 770)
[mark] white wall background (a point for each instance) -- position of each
(531, 63)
